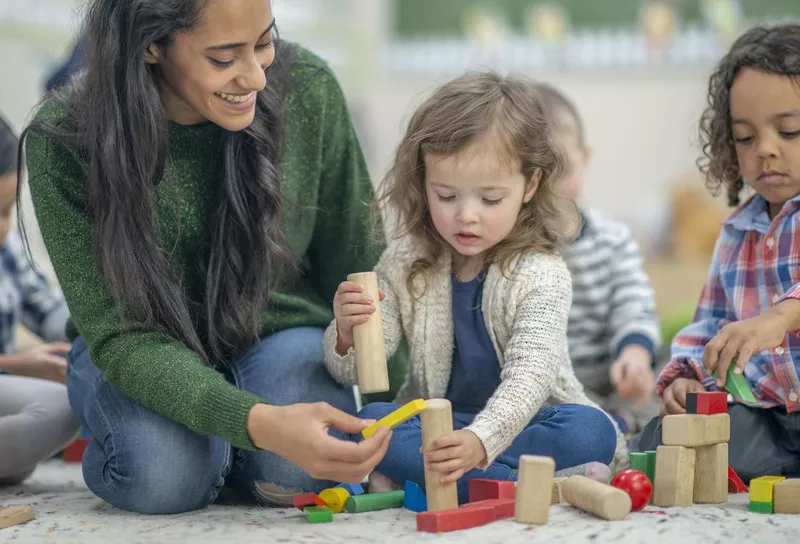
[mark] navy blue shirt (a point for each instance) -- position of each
(475, 372)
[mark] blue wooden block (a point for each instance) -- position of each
(414, 499)
(353, 489)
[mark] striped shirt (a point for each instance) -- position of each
(756, 265)
(26, 297)
(612, 300)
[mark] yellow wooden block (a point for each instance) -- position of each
(761, 489)
(403, 413)
(334, 498)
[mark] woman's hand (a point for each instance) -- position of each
(632, 374)
(299, 433)
(45, 361)
(351, 307)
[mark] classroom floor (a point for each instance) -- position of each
(67, 513)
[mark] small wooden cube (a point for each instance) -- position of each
(558, 494)
(707, 402)
(534, 489)
(711, 474)
(786, 496)
(481, 489)
(674, 483)
(691, 430)
(761, 489)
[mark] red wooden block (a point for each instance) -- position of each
(319, 502)
(74, 452)
(503, 508)
(445, 521)
(306, 499)
(735, 484)
(707, 402)
(482, 489)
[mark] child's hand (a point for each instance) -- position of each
(454, 455)
(674, 401)
(45, 362)
(632, 374)
(740, 340)
(351, 307)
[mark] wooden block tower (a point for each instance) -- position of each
(692, 464)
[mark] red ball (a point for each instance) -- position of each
(636, 484)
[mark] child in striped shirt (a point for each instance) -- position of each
(749, 310)
(613, 331)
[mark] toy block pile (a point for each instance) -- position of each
(775, 495)
(692, 464)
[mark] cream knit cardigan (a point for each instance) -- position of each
(526, 317)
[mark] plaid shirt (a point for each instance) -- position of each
(26, 297)
(756, 265)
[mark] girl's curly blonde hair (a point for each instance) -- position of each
(775, 50)
(477, 105)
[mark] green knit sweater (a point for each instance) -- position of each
(325, 184)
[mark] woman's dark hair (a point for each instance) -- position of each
(115, 118)
(775, 50)
(8, 148)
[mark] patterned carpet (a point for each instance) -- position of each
(67, 513)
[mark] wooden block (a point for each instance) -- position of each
(737, 385)
(638, 461)
(707, 402)
(557, 496)
(318, 514)
(761, 489)
(405, 412)
(651, 471)
(74, 452)
(370, 350)
(16, 515)
(735, 484)
(534, 489)
(437, 421)
(599, 499)
(786, 496)
(674, 476)
(760, 507)
(372, 502)
(445, 521)
(690, 430)
(414, 498)
(503, 508)
(711, 474)
(481, 489)
(335, 498)
(305, 499)
(353, 489)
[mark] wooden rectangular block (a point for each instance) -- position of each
(674, 483)
(558, 495)
(445, 521)
(711, 474)
(16, 515)
(404, 413)
(786, 496)
(690, 430)
(761, 489)
(534, 489)
(707, 402)
(639, 461)
(503, 508)
(305, 499)
(651, 470)
(481, 489)
(760, 507)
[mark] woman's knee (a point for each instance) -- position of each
(152, 465)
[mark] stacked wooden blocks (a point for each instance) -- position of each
(692, 463)
(775, 495)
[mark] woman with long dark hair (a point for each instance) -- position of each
(201, 193)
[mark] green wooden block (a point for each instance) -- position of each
(639, 462)
(318, 514)
(760, 507)
(651, 471)
(736, 385)
(374, 501)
